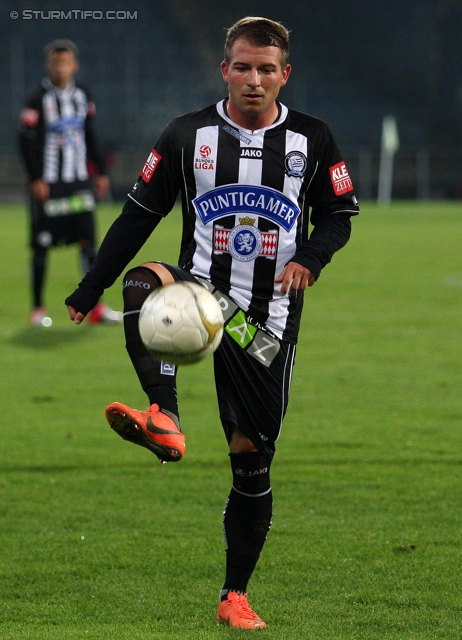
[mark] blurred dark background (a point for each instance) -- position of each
(354, 62)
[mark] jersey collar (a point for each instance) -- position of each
(221, 108)
(49, 86)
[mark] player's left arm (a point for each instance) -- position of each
(101, 180)
(330, 234)
(333, 201)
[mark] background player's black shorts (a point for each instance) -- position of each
(66, 218)
(252, 395)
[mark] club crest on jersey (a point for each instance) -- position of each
(295, 164)
(150, 165)
(245, 242)
(340, 178)
(251, 200)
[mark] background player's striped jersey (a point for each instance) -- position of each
(56, 134)
(246, 201)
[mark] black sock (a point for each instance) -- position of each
(247, 518)
(157, 379)
(38, 271)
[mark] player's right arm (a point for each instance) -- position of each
(126, 236)
(150, 200)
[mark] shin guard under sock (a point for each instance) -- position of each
(157, 379)
(247, 517)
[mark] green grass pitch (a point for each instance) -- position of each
(99, 541)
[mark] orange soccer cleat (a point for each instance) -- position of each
(153, 429)
(237, 612)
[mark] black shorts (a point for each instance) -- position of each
(66, 218)
(253, 373)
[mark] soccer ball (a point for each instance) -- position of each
(181, 323)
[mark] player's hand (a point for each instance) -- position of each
(101, 185)
(40, 190)
(75, 315)
(295, 277)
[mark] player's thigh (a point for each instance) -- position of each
(253, 397)
(169, 273)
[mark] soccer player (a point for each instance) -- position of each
(252, 175)
(57, 139)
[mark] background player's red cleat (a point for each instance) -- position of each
(153, 429)
(103, 314)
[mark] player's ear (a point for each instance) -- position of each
(285, 74)
(224, 71)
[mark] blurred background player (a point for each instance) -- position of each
(57, 140)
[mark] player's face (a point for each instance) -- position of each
(61, 67)
(254, 77)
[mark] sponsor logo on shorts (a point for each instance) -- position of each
(150, 165)
(167, 369)
(79, 202)
(258, 341)
(340, 179)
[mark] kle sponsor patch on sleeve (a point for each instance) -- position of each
(340, 179)
(150, 165)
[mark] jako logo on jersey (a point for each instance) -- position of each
(205, 150)
(295, 164)
(251, 153)
(257, 201)
(150, 165)
(340, 179)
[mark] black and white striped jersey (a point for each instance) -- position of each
(56, 134)
(246, 201)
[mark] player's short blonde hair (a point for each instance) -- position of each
(260, 32)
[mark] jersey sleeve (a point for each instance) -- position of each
(31, 136)
(159, 182)
(332, 200)
(151, 199)
(94, 154)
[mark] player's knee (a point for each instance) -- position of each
(251, 473)
(138, 283)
